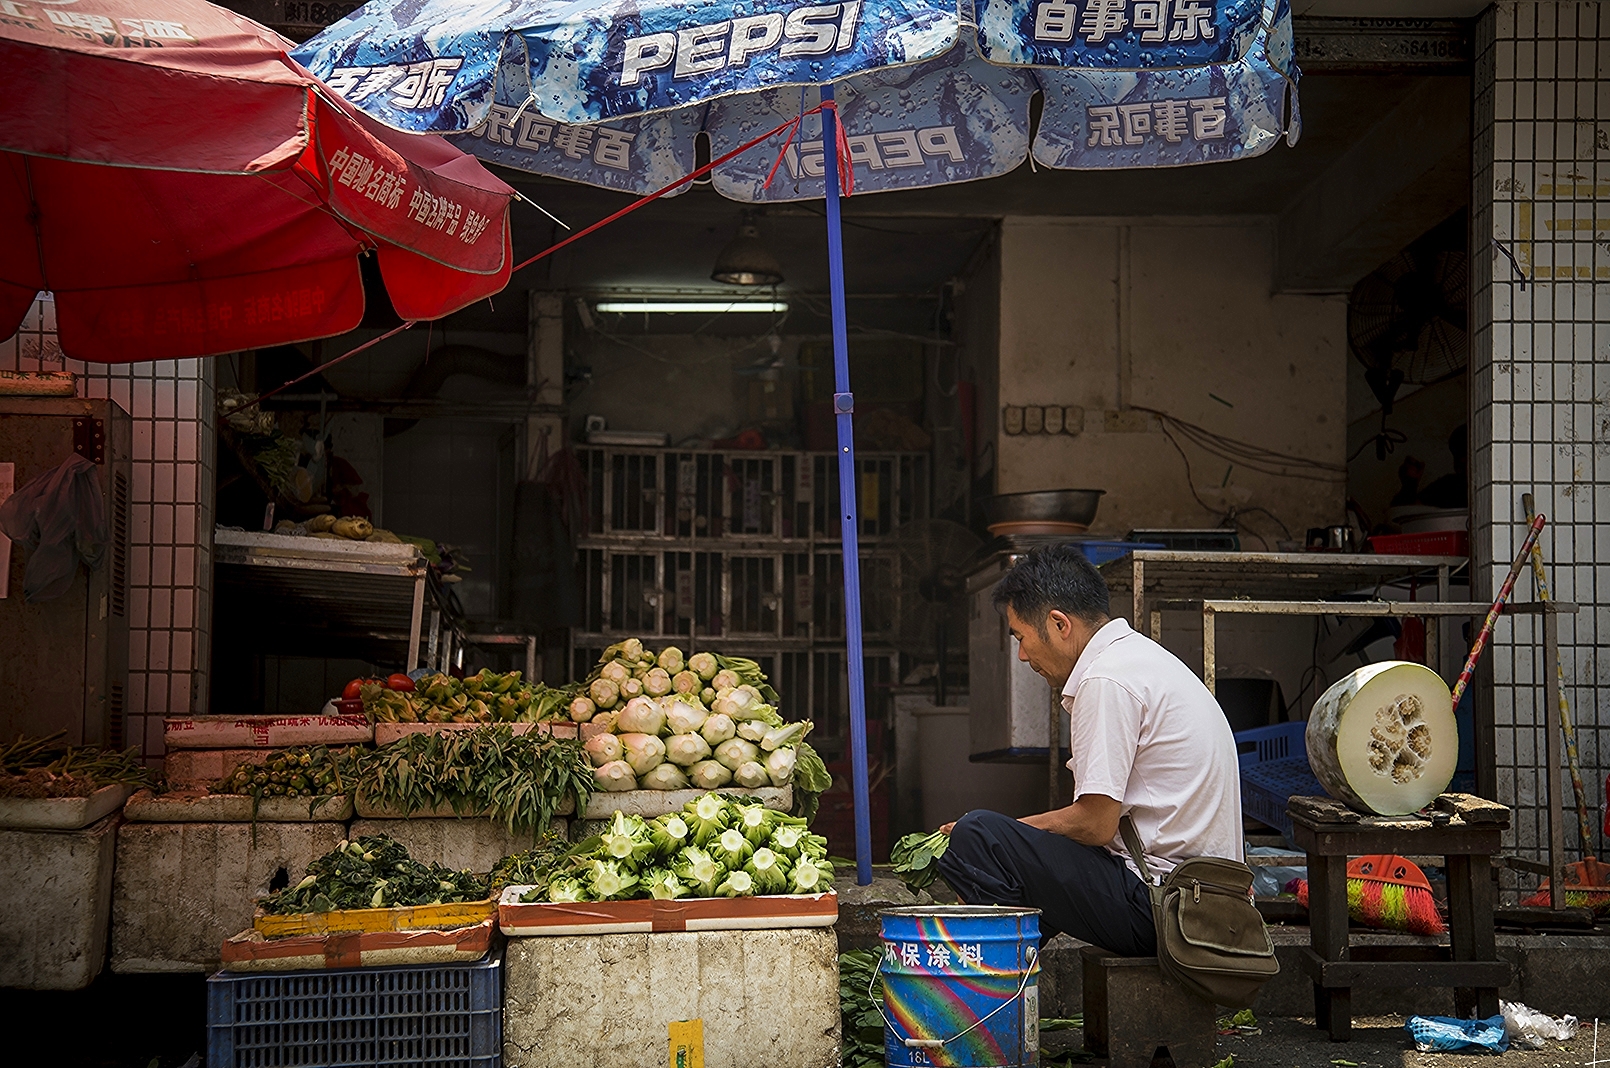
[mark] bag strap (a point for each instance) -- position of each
(1126, 828)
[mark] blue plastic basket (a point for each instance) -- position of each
(431, 1014)
(1274, 768)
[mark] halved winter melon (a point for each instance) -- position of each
(1383, 739)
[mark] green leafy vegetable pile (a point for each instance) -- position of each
(518, 780)
(310, 771)
(915, 857)
(715, 847)
(486, 697)
(861, 1022)
(527, 868)
(707, 721)
(48, 767)
(374, 872)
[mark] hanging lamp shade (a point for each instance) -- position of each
(746, 261)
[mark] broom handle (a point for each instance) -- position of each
(1567, 727)
(1477, 649)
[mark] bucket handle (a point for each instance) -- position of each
(940, 1043)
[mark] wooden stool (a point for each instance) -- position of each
(1132, 1009)
(1463, 829)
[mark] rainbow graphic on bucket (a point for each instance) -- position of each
(961, 987)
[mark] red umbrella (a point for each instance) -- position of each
(186, 189)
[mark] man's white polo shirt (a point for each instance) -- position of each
(1147, 733)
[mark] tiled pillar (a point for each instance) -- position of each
(171, 522)
(1540, 377)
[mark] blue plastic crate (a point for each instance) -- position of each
(1274, 768)
(447, 1015)
(1102, 552)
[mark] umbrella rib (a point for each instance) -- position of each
(657, 194)
(37, 220)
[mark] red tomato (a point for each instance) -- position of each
(400, 682)
(353, 689)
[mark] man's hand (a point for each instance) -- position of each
(1091, 820)
(946, 828)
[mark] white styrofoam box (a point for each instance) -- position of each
(200, 807)
(59, 886)
(264, 732)
(62, 813)
(607, 1001)
(193, 767)
(181, 889)
(475, 843)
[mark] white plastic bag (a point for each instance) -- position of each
(1530, 1029)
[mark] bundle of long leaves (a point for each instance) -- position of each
(915, 858)
(518, 781)
(49, 767)
(374, 872)
(861, 1022)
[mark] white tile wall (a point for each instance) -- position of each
(171, 402)
(1540, 377)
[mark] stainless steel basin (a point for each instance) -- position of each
(1043, 506)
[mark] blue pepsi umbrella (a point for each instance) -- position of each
(899, 94)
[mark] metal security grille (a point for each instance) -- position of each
(739, 553)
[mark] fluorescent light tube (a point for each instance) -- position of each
(661, 307)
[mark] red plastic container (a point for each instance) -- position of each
(1430, 543)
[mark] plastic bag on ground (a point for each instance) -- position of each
(60, 518)
(1444, 1034)
(1530, 1029)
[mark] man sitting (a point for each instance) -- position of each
(1147, 739)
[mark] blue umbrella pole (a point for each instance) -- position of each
(849, 523)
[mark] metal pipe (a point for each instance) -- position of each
(844, 416)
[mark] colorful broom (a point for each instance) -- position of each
(1388, 892)
(1587, 886)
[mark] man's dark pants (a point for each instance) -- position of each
(1082, 890)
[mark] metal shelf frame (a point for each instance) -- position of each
(1220, 584)
(315, 592)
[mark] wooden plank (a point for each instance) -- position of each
(1332, 975)
(1473, 809)
(1541, 916)
(1321, 810)
(1420, 840)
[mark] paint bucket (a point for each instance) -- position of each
(961, 986)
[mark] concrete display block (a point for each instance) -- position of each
(606, 1001)
(59, 893)
(476, 844)
(203, 767)
(181, 889)
(650, 803)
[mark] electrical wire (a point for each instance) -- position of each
(1265, 461)
(1224, 518)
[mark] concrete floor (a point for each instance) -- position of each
(1378, 1042)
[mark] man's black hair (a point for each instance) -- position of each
(1054, 577)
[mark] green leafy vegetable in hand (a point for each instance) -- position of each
(811, 780)
(914, 858)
